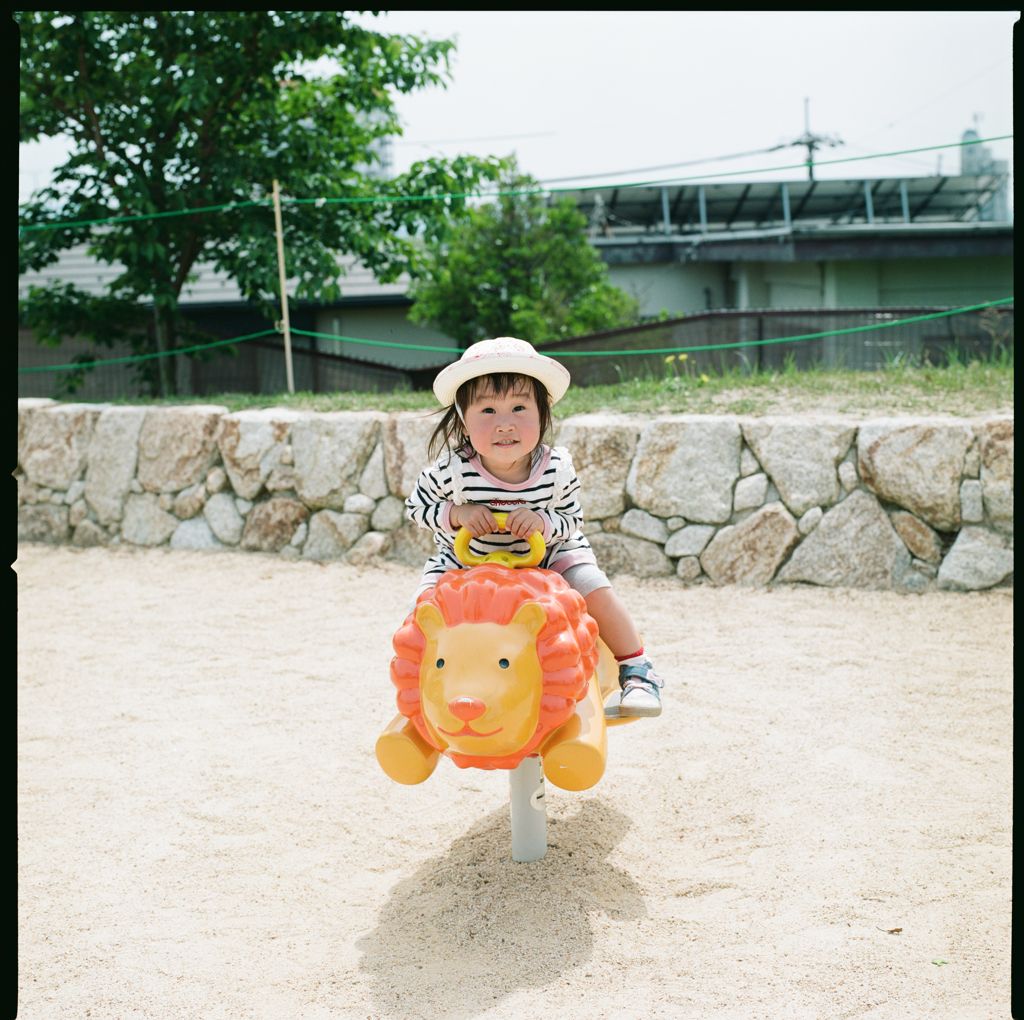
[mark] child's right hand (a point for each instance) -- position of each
(476, 519)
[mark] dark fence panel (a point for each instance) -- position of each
(255, 366)
(259, 365)
(114, 382)
(931, 341)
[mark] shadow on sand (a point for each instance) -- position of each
(472, 926)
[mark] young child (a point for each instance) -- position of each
(498, 399)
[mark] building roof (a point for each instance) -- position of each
(776, 221)
(212, 287)
(757, 205)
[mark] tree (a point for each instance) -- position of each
(177, 111)
(519, 267)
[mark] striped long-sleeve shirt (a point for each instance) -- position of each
(552, 491)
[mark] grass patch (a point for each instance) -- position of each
(956, 389)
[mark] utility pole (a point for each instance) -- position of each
(813, 141)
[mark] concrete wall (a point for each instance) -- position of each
(683, 287)
(909, 504)
(945, 281)
(674, 286)
(389, 324)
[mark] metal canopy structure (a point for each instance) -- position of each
(682, 209)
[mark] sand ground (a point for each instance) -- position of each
(204, 830)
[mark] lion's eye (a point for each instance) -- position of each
(503, 663)
(440, 663)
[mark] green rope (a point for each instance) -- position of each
(146, 357)
(664, 180)
(494, 194)
(375, 343)
(553, 354)
(150, 216)
(784, 339)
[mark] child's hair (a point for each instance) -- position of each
(450, 433)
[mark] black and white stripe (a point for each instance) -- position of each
(435, 488)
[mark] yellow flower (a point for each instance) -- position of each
(704, 378)
(671, 358)
(683, 357)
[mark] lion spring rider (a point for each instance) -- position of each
(500, 668)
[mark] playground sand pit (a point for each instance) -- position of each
(819, 824)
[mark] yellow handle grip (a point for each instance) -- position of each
(530, 559)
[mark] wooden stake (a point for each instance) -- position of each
(284, 295)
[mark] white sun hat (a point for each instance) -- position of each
(503, 354)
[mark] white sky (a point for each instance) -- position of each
(595, 92)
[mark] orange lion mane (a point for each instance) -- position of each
(566, 645)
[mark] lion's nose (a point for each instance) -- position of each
(466, 709)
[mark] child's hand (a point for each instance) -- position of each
(476, 519)
(523, 522)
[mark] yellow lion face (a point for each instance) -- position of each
(480, 683)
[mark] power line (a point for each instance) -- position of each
(937, 99)
(490, 138)
(812, 141)
(772, 169)
(266, 202)
(666, 166)
(906, 160)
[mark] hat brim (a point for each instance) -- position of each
(555, 377)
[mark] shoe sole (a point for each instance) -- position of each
(639, 712)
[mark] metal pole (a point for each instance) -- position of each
(904, 202)
(868, 205)
(529, 812)
(664, 211)
(702, 202)
(785, 206)
(284, 295)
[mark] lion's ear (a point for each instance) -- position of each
(532, 616)
(431, 622)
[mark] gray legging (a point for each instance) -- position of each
(584, 578)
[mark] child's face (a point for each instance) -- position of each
(503, 429)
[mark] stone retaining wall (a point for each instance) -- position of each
(907, 503)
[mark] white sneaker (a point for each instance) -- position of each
(641, 694)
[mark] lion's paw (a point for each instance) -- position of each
(574, 766)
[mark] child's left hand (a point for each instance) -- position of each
(523, 522)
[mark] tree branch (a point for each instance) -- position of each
(90, 110)
(189, 254)
(207, 144)
(93, 120)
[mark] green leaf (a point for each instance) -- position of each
(518, 267)
(171, 111)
